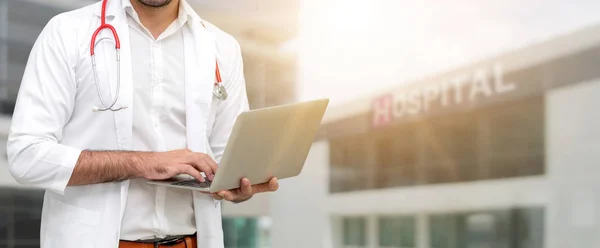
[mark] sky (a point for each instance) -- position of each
(349, 48)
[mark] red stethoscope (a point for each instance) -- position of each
(219, 90)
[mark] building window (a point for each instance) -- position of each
(397, 231)
(450, 149)
(442, 231)
(516, 139)
(518, 228)
(349, 169)
(498, 141)
(5, 224)
(354, 232)
(396, 151)
(20, 217)
(242, 232)
(527, 226)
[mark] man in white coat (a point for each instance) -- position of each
(93, 163)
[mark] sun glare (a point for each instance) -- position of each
(348, 16)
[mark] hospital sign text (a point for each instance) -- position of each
(470, 87)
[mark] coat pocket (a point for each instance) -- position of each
(70, 226)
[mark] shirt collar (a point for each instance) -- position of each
(114, 6)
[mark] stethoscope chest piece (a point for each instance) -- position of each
(220, 92)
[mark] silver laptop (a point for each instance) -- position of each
(264, 143)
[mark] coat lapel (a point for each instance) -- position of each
(200, 50)
(200, 66)
(123, 118)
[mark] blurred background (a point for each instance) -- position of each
(452, 124)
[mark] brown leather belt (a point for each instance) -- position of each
(170, 242)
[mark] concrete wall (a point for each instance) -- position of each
(299, 209)
(573, 162)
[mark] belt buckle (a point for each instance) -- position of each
(168, 241)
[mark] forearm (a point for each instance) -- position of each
(108, 166)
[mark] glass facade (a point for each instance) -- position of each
(498, 141)
(497, 228)
(23, 22)
(242, 232)
(515, 228)
(20, 215)
(3, 47)
(397, 232)
(354, 232)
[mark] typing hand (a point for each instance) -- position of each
(246, 190)
(164, 165)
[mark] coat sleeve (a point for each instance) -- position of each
(44, 105)
(228, 110)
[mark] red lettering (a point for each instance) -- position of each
(382, 110)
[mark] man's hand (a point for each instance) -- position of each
(109, 166)
(246, 190)
(164, 165)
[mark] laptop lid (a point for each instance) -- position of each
(269, 142)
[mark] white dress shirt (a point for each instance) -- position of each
(158, 125)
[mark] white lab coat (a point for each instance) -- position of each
(53, 121)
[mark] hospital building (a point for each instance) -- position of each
(501, 153)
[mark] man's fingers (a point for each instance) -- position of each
(190, 170)
(226, 195)
(270, 186)
(200, 164)
(273, 184)
(260, 188)
(211, 162)
(207, 160)
(203, 168)
(246, 188)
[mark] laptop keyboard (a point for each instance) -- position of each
(193, 183)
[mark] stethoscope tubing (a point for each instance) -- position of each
(219, 91)
(93, 44)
